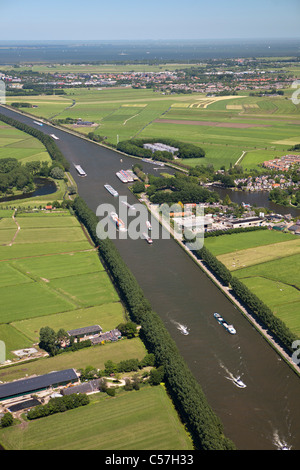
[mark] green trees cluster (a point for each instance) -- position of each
(59, 405)
(15, 175)
(7, 420)
(46, 140)
(261, 312)
(204, 426)
(181, 188)
(51, 341)
(185, 150)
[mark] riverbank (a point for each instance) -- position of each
(227, 292)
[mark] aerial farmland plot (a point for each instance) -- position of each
(52, 268)
(226, 127)
(267, 262)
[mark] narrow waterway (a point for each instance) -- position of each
(260, 416)
(258, 199)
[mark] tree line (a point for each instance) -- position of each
(188, 397)
(59, 405)
(260, 311)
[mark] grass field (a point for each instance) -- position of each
(95, 356)
(19, 145)
(59, 273)
(120, 423)
(221, 122)
(247, 240)
(267, 262)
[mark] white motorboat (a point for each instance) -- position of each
(183, 329)
(238, 382)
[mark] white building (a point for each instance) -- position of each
(161, 147)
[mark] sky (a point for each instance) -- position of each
(152, 19)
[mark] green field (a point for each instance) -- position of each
(123, 113)
(121, 423)
(247, 240)
(61, 273)
(267, 262)
(19, 145)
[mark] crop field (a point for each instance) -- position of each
(120, 423)
(19, 145)
(60, 274)
(260, 254)
(237, 242)
(224, 126)
(267, 262)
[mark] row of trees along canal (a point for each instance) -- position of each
(258, 309)
(188, 397)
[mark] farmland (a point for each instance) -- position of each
(107, 423)
(59, 274)
(17, 144)
(65, 286)
(267, 262)
(225, 127)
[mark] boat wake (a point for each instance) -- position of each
(182, 328)
(236, 380)
(279, 443)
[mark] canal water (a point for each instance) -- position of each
(258, 199)
(44, 186)
(264, 414)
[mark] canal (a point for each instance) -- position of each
(260, 416)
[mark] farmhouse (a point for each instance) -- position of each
(91, 386)
(36, 384)
(85, 332)
(112, 335)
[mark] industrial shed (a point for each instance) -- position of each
(36, 384)
(85, 331)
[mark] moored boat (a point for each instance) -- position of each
(121, 177)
